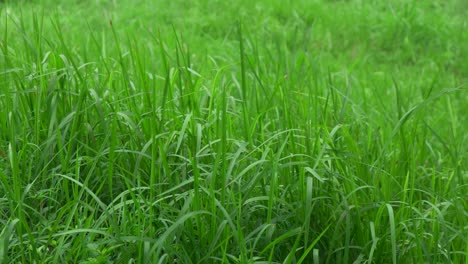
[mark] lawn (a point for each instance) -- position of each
(211, 131)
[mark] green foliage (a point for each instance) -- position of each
(233, 132)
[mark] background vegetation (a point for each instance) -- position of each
(212, 131)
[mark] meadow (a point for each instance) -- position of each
(210, 131)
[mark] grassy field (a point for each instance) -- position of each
(208, 131)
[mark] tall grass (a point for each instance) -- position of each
(215, 132)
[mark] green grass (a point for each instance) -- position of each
(233, 132)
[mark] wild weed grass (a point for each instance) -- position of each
(233, 132)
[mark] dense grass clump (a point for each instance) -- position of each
(233, 132)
